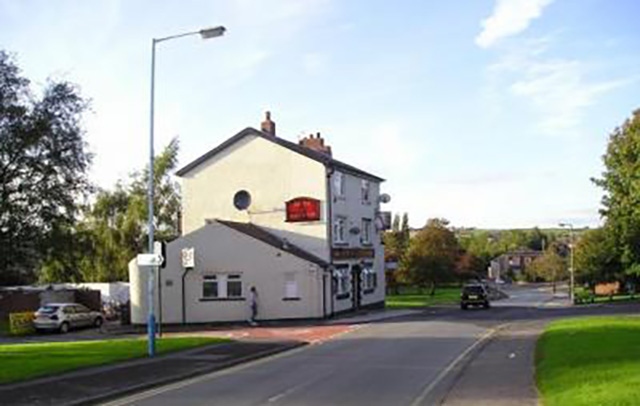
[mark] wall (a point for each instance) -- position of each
(219, 249)
(272, 175)
(351, 206)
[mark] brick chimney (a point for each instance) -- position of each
(267, 125)
(315, 143)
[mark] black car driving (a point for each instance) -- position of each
(474, 295)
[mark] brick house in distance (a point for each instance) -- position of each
(287, 218)
(512, 264)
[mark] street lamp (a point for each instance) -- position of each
(571, 270)
(204, 34)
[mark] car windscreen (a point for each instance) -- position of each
(473, 290)
(48, 309)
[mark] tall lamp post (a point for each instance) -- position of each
(205, 34)
(571, 270)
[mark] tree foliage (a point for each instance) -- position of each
(115, 229)
(550, 267)
(43, 172)
(621, 183)
(596, 257)
(432, 255)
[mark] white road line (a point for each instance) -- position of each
(181, 384)
(426, 391)
(213, 375)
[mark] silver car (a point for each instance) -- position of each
(65, 316)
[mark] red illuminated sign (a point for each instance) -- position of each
(303, 209)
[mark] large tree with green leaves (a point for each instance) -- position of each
(621, 183)
(432, 255)
(115, 228)
(596, 257)
(43, 171)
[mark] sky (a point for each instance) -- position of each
(489, 113)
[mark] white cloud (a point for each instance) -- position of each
(558, 90)
(510, 17)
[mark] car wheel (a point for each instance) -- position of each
(486, 305)
(64, 327)
(463, 306)
(98, 322)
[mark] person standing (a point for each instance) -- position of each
(253, 303)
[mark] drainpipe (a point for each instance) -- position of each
(159, 302)
(184, 307)
(329, 220)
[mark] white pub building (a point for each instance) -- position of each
(287, 218)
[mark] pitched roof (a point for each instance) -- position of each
(266, 237)
(309, 153)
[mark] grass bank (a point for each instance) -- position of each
(590, 361)
(25, 361)
(412, 298)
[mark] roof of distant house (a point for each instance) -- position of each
(266, 237)
(325, 159)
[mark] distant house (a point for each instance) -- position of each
(512, 264)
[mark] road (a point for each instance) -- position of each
(443, 355)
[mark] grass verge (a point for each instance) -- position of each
(25, 361)
(590, 361)
(412, 298)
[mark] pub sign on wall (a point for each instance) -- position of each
(303, 209)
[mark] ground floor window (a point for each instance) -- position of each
(210, 287)
(342, 280)
(221, 286)
(290, 286)
(369, 278)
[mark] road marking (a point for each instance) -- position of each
(212, 375)
(426, 391)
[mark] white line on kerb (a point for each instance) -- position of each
(426, 391)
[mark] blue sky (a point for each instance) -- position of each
(490, 113)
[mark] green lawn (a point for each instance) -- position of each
(411, 298)
(590, 361)
(24, 361)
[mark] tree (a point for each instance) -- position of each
(116, 224)
(432, 255)
(43, 172)
(396, 242)
(621, 184)
(469, 266)
(549, 267)
(596, 257)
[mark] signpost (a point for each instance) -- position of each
(151, 261)
(188, 263)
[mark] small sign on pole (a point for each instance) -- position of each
(188, 258)
(149, 260)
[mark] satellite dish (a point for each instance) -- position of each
(384, 198)
(354, 230)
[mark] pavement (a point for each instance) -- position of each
(94, 385)
(502, 373)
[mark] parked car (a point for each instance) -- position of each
(474, 295)
(65, 316)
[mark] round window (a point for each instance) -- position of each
(242, 200)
